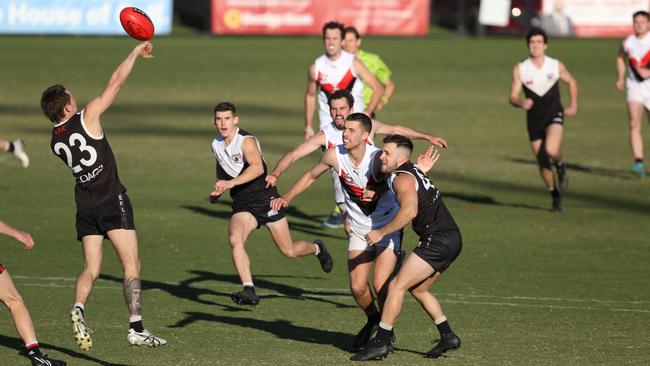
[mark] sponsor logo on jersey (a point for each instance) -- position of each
(237, 158)
(84, 178)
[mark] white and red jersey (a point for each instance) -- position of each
(334, 136)
(354, 178)
(637, 51)
(333, 75)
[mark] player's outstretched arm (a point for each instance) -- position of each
(566, 76)
(327, 161)
(310, 101)
(515, 90)
(101, 103)
(21, 236)
(407, 198)
(371, 81)
(312, 144)
(386, 129)
(255, 167)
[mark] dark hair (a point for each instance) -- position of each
(224, 107)
(400, 141)
(53, 100)
(366, 122)
(641, 13)
(340, 94)
(536, 32)
(352, 30)
(334, 25)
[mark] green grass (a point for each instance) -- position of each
(530, 288)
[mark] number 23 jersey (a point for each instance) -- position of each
(91, 160)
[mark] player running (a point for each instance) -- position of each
(336, 70)
(103, 208)
(241, 169)
(341, 104)
(439, 245)
(357, 166)
(539, 76)
(12, 299)
(636, 48)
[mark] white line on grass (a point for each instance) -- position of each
(339, 293)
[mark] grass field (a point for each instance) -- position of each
(530, 288)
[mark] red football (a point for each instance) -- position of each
(136, 23)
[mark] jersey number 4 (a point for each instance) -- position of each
(75, 137)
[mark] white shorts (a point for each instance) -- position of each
(358, 241)
(639, 93)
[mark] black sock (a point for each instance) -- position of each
(137, 326)
(374, 317)
(34, 351)
(555, 192)
(384, 335)
(11, 147)
(444, 328)
(637, 160)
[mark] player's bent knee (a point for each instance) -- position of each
(289, 253)
(359, 289)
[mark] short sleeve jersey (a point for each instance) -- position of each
(91, 160)
(377, 67)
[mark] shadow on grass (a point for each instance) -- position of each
(623, 174)
(187, 290)
(477, 199)
(314, 230)
(17, 344)
(282, 329)
(601, 199)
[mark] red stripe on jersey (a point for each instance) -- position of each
(348, 78)
(645, 60)
(2, 269)
(329, 88)
(352, 188)
(330, 145)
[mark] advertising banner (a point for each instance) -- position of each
(295, 17)
(98, 17)
(590, 18)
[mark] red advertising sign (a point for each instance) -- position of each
(289, 17)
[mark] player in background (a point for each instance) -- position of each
(12, 299)
(242, 170)
(336, 70)
(341, 104)
(16, 147)
(103, 208)
(439, 245)
(356, 164)
(636, 49)
(374, 63)
(539, 76)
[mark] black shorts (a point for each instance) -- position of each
(114, 213)
(260, 209)
(537, 129)
(440, 248)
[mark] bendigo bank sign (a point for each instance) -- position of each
(298, 17)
